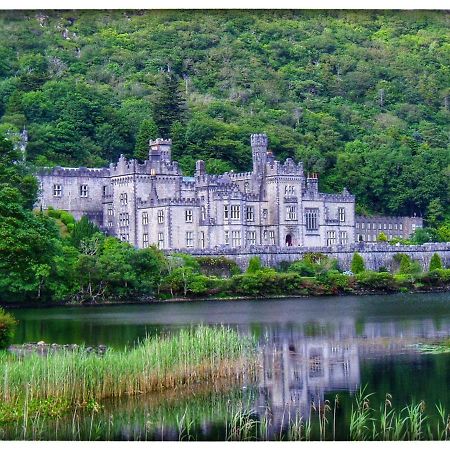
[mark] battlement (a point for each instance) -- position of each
(259, 140)
(160, 141)
(100, 172)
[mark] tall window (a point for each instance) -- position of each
(235, 238)
(311, 216)
(145, 240)
(225, 211)
(341, 214)
(226, 237)
(401, 227)
(160, 240)
(250, 214)
(246, 187)
(291, 213)
(105, 191)
(331, 238)
(145, 218)
(289, 190)
(123, 199)
(251, 238)
(160, 216)
(272, 237)
(189, 238)
(379, 226)
(235, 212)
(57, 190)
(201, 239)
(203, 213)
(265, 213)
(343, 237)
(188, 215)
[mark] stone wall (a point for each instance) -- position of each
(375, 255)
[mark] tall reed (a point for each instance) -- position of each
(192, 355)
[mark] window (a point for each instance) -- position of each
(363, 225)
(331, 238)
(110, 217)
(289, 190)
(225, 211)
(83, 190)
(250, 214)
(246, 187)
(124, 219)
(145, 218)
(291, 213)
(125, 237)
(160, 240)
(110, 212)
(390, 226)
(384, 226)
(343, 237)
(341, 214)
(123, 199)
(235, 238)
(235, 212)
(57, 190)
(201, 239)
(145, 240)
(203, 213)
(160, 216)
(401, 227)
(188, 215)
(357, 225)
(105, 191)
(369, 226)
(226, 237)
(311, 215)
(379, 226)
(189, 238)
(265, 213)
(395, 226)
(272, 237)
(251, 237)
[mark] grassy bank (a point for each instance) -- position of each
(67, 379)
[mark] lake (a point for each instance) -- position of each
(315, 353)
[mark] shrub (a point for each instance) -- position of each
(7, 328)
(435, 262)
(357, 265)
(376, 280)
(382, 237)
(254, 265)
(314, 264)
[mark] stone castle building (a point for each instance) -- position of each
(152, 203)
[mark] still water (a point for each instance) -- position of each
(312, 351)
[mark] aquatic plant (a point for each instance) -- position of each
(158, 363)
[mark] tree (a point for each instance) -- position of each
(382, 237)
(168, 104)
(435, 213)
(357, 265)
(435, 262)
(148, 130)
(83, 230)
(254, 265)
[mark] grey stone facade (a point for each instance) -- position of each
(368, 228)
(149, 203)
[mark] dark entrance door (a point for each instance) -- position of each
(288, 240)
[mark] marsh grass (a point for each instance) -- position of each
(77, 378)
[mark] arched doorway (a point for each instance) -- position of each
(288, 240)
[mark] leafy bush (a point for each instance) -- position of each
(7, 328)
(376, 280)
(314, 264)
(435, 262)
(254, 264)
(357, 265)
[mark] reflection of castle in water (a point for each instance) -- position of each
(299, 367)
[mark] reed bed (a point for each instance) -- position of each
(191, 356)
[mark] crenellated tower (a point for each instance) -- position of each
(259, 143)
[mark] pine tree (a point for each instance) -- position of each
(435, 262)
(148, 130)
(357, 265)
(169, 104)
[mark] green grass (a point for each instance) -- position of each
(158, 363)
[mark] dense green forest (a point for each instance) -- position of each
(362, 97)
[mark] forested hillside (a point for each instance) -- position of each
(362, 98)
